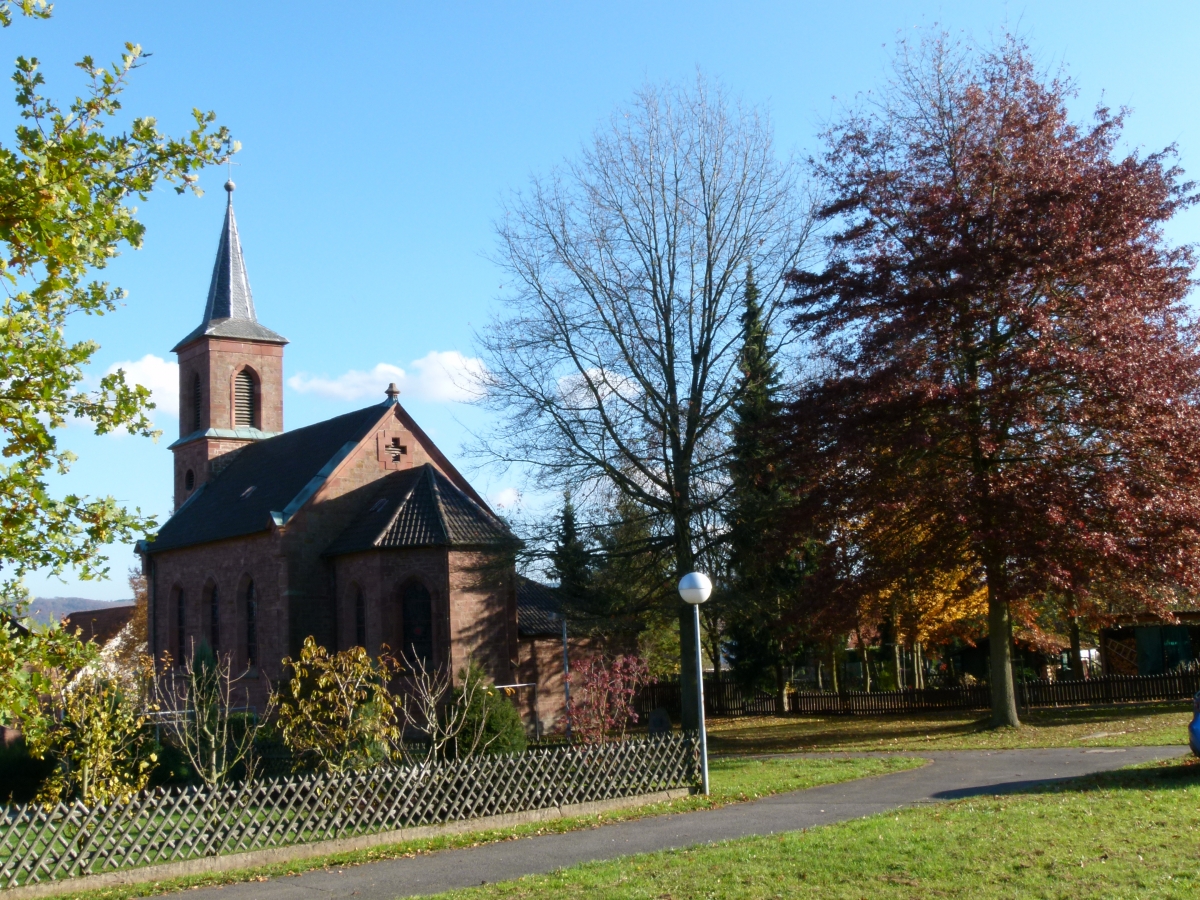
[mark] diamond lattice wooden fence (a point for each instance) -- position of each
(171, 824)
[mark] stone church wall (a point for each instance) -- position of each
(541, 663)
(228, 566)
(483, 614)
(381, 574)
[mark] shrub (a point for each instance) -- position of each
(491, 722)
(336, 713)
(602, 695)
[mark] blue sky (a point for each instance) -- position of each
(379, 138)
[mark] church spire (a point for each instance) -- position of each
(229, 294)
(229, 311)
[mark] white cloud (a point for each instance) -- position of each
(160, 376)
(578, 389)
(441, 376)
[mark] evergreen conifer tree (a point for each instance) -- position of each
(766, 573)
(570, 558)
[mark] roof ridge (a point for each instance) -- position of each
(391, 520)
(443, 521)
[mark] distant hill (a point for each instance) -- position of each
(51, 609)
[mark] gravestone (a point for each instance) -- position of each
(660, 722)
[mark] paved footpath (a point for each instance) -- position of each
(951, 774)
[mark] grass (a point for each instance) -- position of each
(1126, 834)
(1150, 724)
(732, 781)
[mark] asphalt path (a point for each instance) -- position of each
(950, 775)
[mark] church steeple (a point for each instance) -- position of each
(229, 311)
(230, 372)
(229, 294)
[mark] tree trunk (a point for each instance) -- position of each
(866, 666)
(1004, 696)
(1076, 649)
(780, 690)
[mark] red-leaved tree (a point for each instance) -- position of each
(1010, 374)
(602, 696)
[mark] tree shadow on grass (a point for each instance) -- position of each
(868, 732)
(1077, 715)
(1167, 775)
(837, 734)
(1172, 774)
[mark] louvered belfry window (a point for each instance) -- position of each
(196, 403)
(244, 405)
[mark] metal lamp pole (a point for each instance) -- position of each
(695, 588)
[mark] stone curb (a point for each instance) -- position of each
(255, 858)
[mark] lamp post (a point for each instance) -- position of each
(695, 588)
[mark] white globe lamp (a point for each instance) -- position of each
(695, 588)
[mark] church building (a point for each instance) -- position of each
(356, 530)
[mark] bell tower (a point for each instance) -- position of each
(230, 372)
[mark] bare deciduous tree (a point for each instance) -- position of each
(615, 359)
(199, 706)
(443, 715)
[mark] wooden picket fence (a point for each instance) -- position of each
(729, 699)
(162, 825)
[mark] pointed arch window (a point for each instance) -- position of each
(251, 626)
(245, 400)
(417, 609)
(196, 402)
(214, 619)
(360, 618)
(180, 626)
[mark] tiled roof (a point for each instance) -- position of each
(270, 477)
(420, 507)
(229, 311)
(538, 609)
(99, 625)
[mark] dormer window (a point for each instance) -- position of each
(245, 400)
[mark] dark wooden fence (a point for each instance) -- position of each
(729, 699)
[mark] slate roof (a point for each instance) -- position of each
(230, 308)
(537, 609)
(284, 471)
(420, 507)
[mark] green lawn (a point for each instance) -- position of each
(732, 781)
(1150, 724)
(1128, 834)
